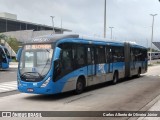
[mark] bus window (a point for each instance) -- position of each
(66, 58)
(29, 59)
(2, 56)
(7, 53)
(118, 54)
(89, 57)
(100, 52)
(80, 56)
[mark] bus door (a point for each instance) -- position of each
(109, 59)
(3, 59)
(133, 62)
(101, 67)
(91, 72)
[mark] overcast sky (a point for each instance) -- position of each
(130, 18)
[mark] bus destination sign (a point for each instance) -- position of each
(38, 46)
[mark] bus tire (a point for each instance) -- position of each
(139, 72)
(115, 78)
(80, 85)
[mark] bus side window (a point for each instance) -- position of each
(107, 55)
(89, 56)
(100, 53)
(66, 59)
(1, 55)
(80, 56)
(118, 54)
(132, 55)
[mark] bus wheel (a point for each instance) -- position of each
(115, 78)
(139, 73)
(79, 86)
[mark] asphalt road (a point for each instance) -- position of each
(127, 95)
(8, 75)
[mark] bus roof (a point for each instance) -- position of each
(51, 38)
(76, 38)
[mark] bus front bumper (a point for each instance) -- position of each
(36, 90)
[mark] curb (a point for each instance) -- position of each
(146, 108)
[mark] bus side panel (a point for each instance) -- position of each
(68, 82)
(120, 66)
(127, 59)
(100, 73)
(5, 65)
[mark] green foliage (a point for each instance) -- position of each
(14, 44)
(4, 37)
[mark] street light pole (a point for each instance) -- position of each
(104, 19)
(153, 15)
(111, 31)
(53, 23)
(61, 27)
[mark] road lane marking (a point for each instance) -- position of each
(153, 75)
(8, 86)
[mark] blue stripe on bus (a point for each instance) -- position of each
(78, 40)
(57, 87)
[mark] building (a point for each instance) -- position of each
(9, 22)
(24, 31)
(157, 44)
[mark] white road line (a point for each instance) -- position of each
(3, 89)
(153, 75)
(8, 86)
(11, 84)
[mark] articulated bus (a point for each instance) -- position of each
(59, 63)
(5, 57)
(154, 55)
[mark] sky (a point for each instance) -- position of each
(131, 19)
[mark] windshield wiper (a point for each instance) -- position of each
(45, 65)
(48, 50)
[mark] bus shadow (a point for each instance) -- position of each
(3, 70)
(109, 83)
(9, 69)
(53, 97)
(61, 96)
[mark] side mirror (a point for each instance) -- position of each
(18, 54)
(56, 64)
(57, 68)
(57, 53)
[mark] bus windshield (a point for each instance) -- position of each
(35, 61)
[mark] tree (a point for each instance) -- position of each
(2, 36)
(14, 44)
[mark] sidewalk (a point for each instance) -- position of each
(13, 64)
(154, 106)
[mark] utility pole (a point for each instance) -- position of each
(111, 31)
(104, 19)
(61, 26)
(153, 15)
(53, 24)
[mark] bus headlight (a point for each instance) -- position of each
(46, 82)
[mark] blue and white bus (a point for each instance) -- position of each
(59, 63)
(154, 55)
(5, 57)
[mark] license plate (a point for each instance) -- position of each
(30, 90)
